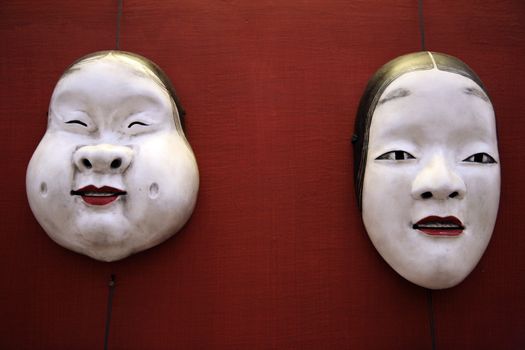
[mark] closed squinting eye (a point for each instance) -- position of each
(137, 123)
(74, 121)
(483, 158)
(396, 155)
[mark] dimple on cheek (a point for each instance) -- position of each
(153, 190)
(43, 189)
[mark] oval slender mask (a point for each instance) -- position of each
(427, 167)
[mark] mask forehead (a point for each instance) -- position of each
(103, 82)
(107, 91)
(140, 66)
(433, 106)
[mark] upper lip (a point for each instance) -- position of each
(439, 222)
(92, 190)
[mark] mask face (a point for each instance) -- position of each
(431, 186)
(113, 174)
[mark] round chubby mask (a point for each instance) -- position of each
(427, 167)
(113, 174)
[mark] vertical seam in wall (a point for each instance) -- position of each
(119, 17)
(431, 320)
(109, 310)
(421, 24)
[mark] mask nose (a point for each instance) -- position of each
(437, 180)
(103, 158)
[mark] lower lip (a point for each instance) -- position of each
(99, 200)
(440, 232)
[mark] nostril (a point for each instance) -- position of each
(426, 195)
(116, 163)
(86, 163)
(453, 194)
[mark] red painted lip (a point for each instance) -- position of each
(440, 226)
(98, 196)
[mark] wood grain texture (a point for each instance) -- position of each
(275, 255)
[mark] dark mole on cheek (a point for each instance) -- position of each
(43, 189)
(153, 190)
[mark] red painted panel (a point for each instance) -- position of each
(275, 255)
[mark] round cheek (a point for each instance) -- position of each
(162, 186)
(167, 176)
(48, 183)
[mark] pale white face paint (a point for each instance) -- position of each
(113, 174)
(432, 162)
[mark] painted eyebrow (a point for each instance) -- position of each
(476, 92)
(392, 95)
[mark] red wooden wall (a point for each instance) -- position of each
(275, 255)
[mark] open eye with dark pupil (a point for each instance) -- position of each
(137, 123)
(483, 158)
(76, 122)
(395, 155)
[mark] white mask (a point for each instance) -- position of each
(113, 174)
(431, 187)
